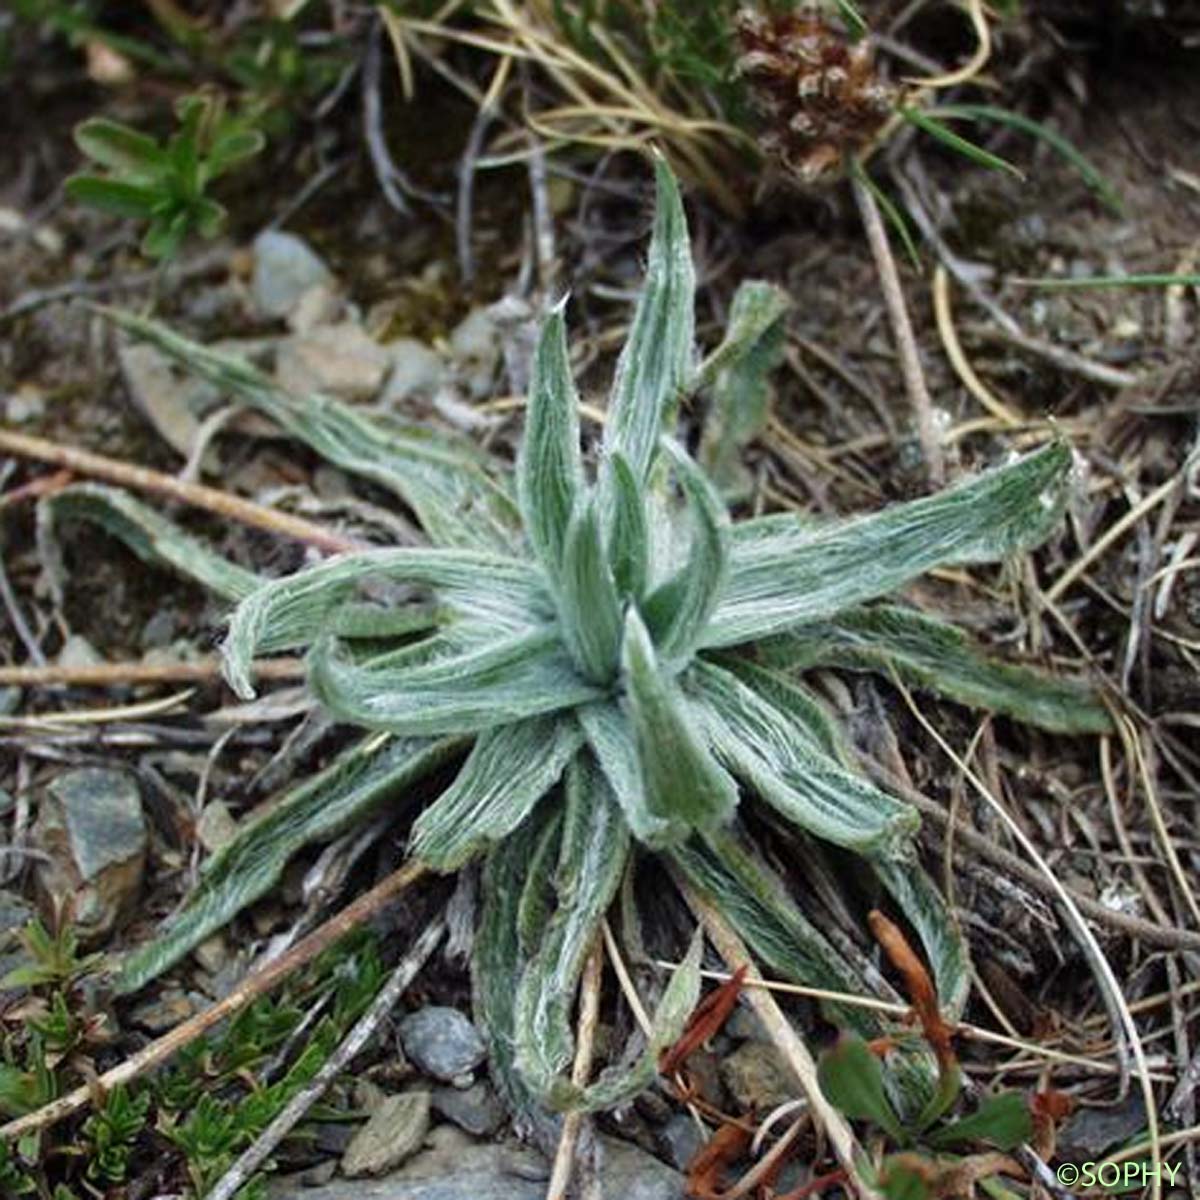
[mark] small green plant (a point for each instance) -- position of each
(167, 185)
(112, 1132)
(54, 958)
(619, 663)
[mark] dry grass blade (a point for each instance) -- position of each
(792, 1049)
(977, 61)
(1100, 964)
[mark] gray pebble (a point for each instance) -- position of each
(441, 1042)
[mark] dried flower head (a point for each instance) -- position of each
(819, 94)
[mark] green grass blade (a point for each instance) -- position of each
(507, 679)
(592, 856)
(612, 741)
(446, 483)
(510, 768)
(152, 537)
(589, 607)
(549, 468)
(769, 749)
(783, 578)
(378, 771)
(929, 124)
(1015, 120)
(935, 655)
(656, 363)
(683, 781)
(293, 611)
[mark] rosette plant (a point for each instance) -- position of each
(612, 667)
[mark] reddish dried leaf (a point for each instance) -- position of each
(707, 1168)
(1048, 1109)
(918, 984)
(711, 1013)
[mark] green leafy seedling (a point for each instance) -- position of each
(112, 1132)
(165, 185)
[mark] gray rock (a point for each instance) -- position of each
(755, 1079)
(159, 630)
(681, 1140)
(94, 833)
(285, 267)
(164, 1013)
(441, 1042)
(417, 370)
(475, 344)
(77, 651)
(454, 1169)
(476, 1109)
(340, 360)
(393, 1133)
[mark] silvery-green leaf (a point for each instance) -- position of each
(549, 468)
(378, 771)
(507, 679)
(629, 540)
(737, 375)
(152, 537)
(682, 780)
(678, 611)
(443, 480)
(612, 741)
(592, 855)
(497, 961)
(372, 621)
(618, 1085)
(510, 768)
(770, 749)
(656, 363)
(784, 942)
(293, 611)
(589, 607)
(941, 937)
(537, 894)
(938, 656)
(780, 581)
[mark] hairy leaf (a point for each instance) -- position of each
(782, 580)
(772, 752)
(678, 611)
(682, 780)
(378, 771)
(507, 679)
(294, 610)
(443, 480)
(851, 1078)
(510, 768)
(612, 741)
(152, 537)
(595, 846)
(629, 539)
(549, 468)
(589, 607)
(656, 363)
(940, 657)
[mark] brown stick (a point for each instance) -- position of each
(108, 674)
(141, 479)
(907, 350)
(251, 988)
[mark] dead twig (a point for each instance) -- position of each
(142, 479)
(581, 1069)
(906, 343)
(250, 989)
(112, 674)
(398, 982)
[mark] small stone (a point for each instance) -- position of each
(285, 267)
(159, 630)
(172, 404)
(164, 1013)
(77, 651)
(217, 826)
(93, 831)
(441, 1042)
(319, 305)
(368, 1096)
(340, 360)
(475, 344)
(477, 1110)
(753, 1075)
(25, 404)
(416, 371)
(394, 1132)
(681, 1140)
(212, 954)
